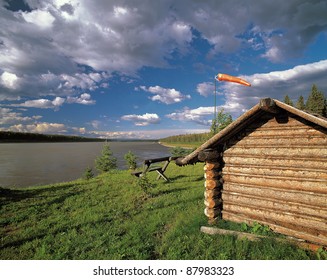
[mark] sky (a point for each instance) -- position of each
(145, 69)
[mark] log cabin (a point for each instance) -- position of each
(268, 166)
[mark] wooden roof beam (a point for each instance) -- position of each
(269, 105)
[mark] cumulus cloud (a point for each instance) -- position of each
(200, 115)
(280, 30)
(42, 19)
(8, 116)
(9, 80)
(41, 127)
(165, 95)
(142, 120)
(84, 99)
(57, 102)
(42, 103)
(206, 88)
(293, 82)
(57, 39)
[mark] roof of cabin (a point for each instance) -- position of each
(265, 105)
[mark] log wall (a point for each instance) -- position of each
(275, 173)
(213, 186)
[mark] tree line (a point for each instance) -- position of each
(10, 136)
(316, 102)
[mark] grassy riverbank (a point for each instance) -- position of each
(110, 217)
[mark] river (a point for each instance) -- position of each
(29, 164)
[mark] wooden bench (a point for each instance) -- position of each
(159, 169)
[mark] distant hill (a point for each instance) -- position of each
(15, 137)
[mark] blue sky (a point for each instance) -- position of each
(145, 69)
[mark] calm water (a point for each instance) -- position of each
(27, 164)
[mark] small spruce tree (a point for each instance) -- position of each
(316, 102)
(300, 103)
(88, 173)
(106, 161)
(288, 101)
(131, 160)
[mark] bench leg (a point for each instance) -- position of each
(162, 175)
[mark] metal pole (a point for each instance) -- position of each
(215, 114)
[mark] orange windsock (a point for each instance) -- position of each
(228, 78)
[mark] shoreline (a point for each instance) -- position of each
(184, 146)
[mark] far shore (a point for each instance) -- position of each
(183, 145)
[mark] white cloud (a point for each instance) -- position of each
(206, 88)
(39, 128)
(142, 120)
(8, 116)
(57, 102)
(42, 103)
(123, 36)
(43, 19)
(200, 115)
(84, 99)
(293, 82)
(96, 124)
(9, 80)
(165, 95)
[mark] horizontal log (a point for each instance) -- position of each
(314, 152)
(212, 213)
(275, 161)
(212, 184)
(272, 141)
(306, 198)
(239, 235)
(318, 186)
(238, 218)
(212, 166)
(212, 193)
(297, 173)
(211, 202)
(265, 131)
(209, 155)
(154, 160)
(278, 205)
(212, 174)
(314, 223)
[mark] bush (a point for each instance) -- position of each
(88, 173)
(144, 183)
(130, 160)
(106, 161)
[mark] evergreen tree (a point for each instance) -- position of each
(130, 160)
(288, 100)
(222, 120)
(88, 173)
(106, 161)
(316, 102)
(300, 103)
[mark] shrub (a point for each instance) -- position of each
(130, 160)
(88, 173)
(144, 183)
(106, 161)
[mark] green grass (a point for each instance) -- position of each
(110, 217)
